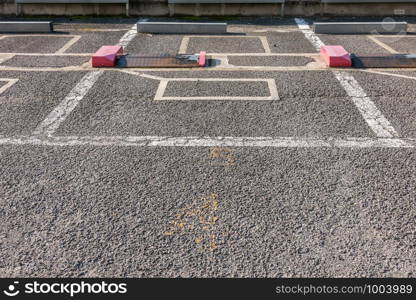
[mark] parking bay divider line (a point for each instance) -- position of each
(369, 111)
(57, 116)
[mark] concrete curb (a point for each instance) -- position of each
(181, 27)
(360, 27)
(26, 27)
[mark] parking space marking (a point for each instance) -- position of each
(47, 54)
(10, 82)
(5, 57)
(386, 137)
(68, 44)
(74, 39)
(369, 111)
(61, 112)
(265, 44)
(381, 44)
(128, 36)
(312, 67)
(219, 61)
(141, 74)
(184, 45)
(387, 47)
(309, 34)
(159, 96)
(389, 74)
(47, 69)
(185, 41)
(58, 115)
(192, 141)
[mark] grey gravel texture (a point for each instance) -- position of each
(401, 43)
(217, 88)
(235, 44)
(33, 44)
(108, 211)
(45, 61)
(90, 42)
(320, 109)
(29, 101)
(357, 44)
(269, 61)
(148, 44)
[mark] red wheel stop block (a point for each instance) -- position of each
(202, 59)
(336, 56)
(106, 56)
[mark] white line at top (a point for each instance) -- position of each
(58, 115)
(369, 111)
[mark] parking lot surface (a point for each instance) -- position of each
(264, 164)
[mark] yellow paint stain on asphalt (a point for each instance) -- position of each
(198, 220)
(221, 156)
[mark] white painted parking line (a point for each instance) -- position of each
(309, 34)
(265, 44)
(128, 36)
(184, 45)
(394, 37)
(73, 40)
(57, 116)
(381, 44)
(9, 83)
(183, 48)
(369, 111)
(159, 96)
(68, 44)
(166, 141)
(389, 74)
(64, 109)
(5, 57)
(45, 54)
(371, 114)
